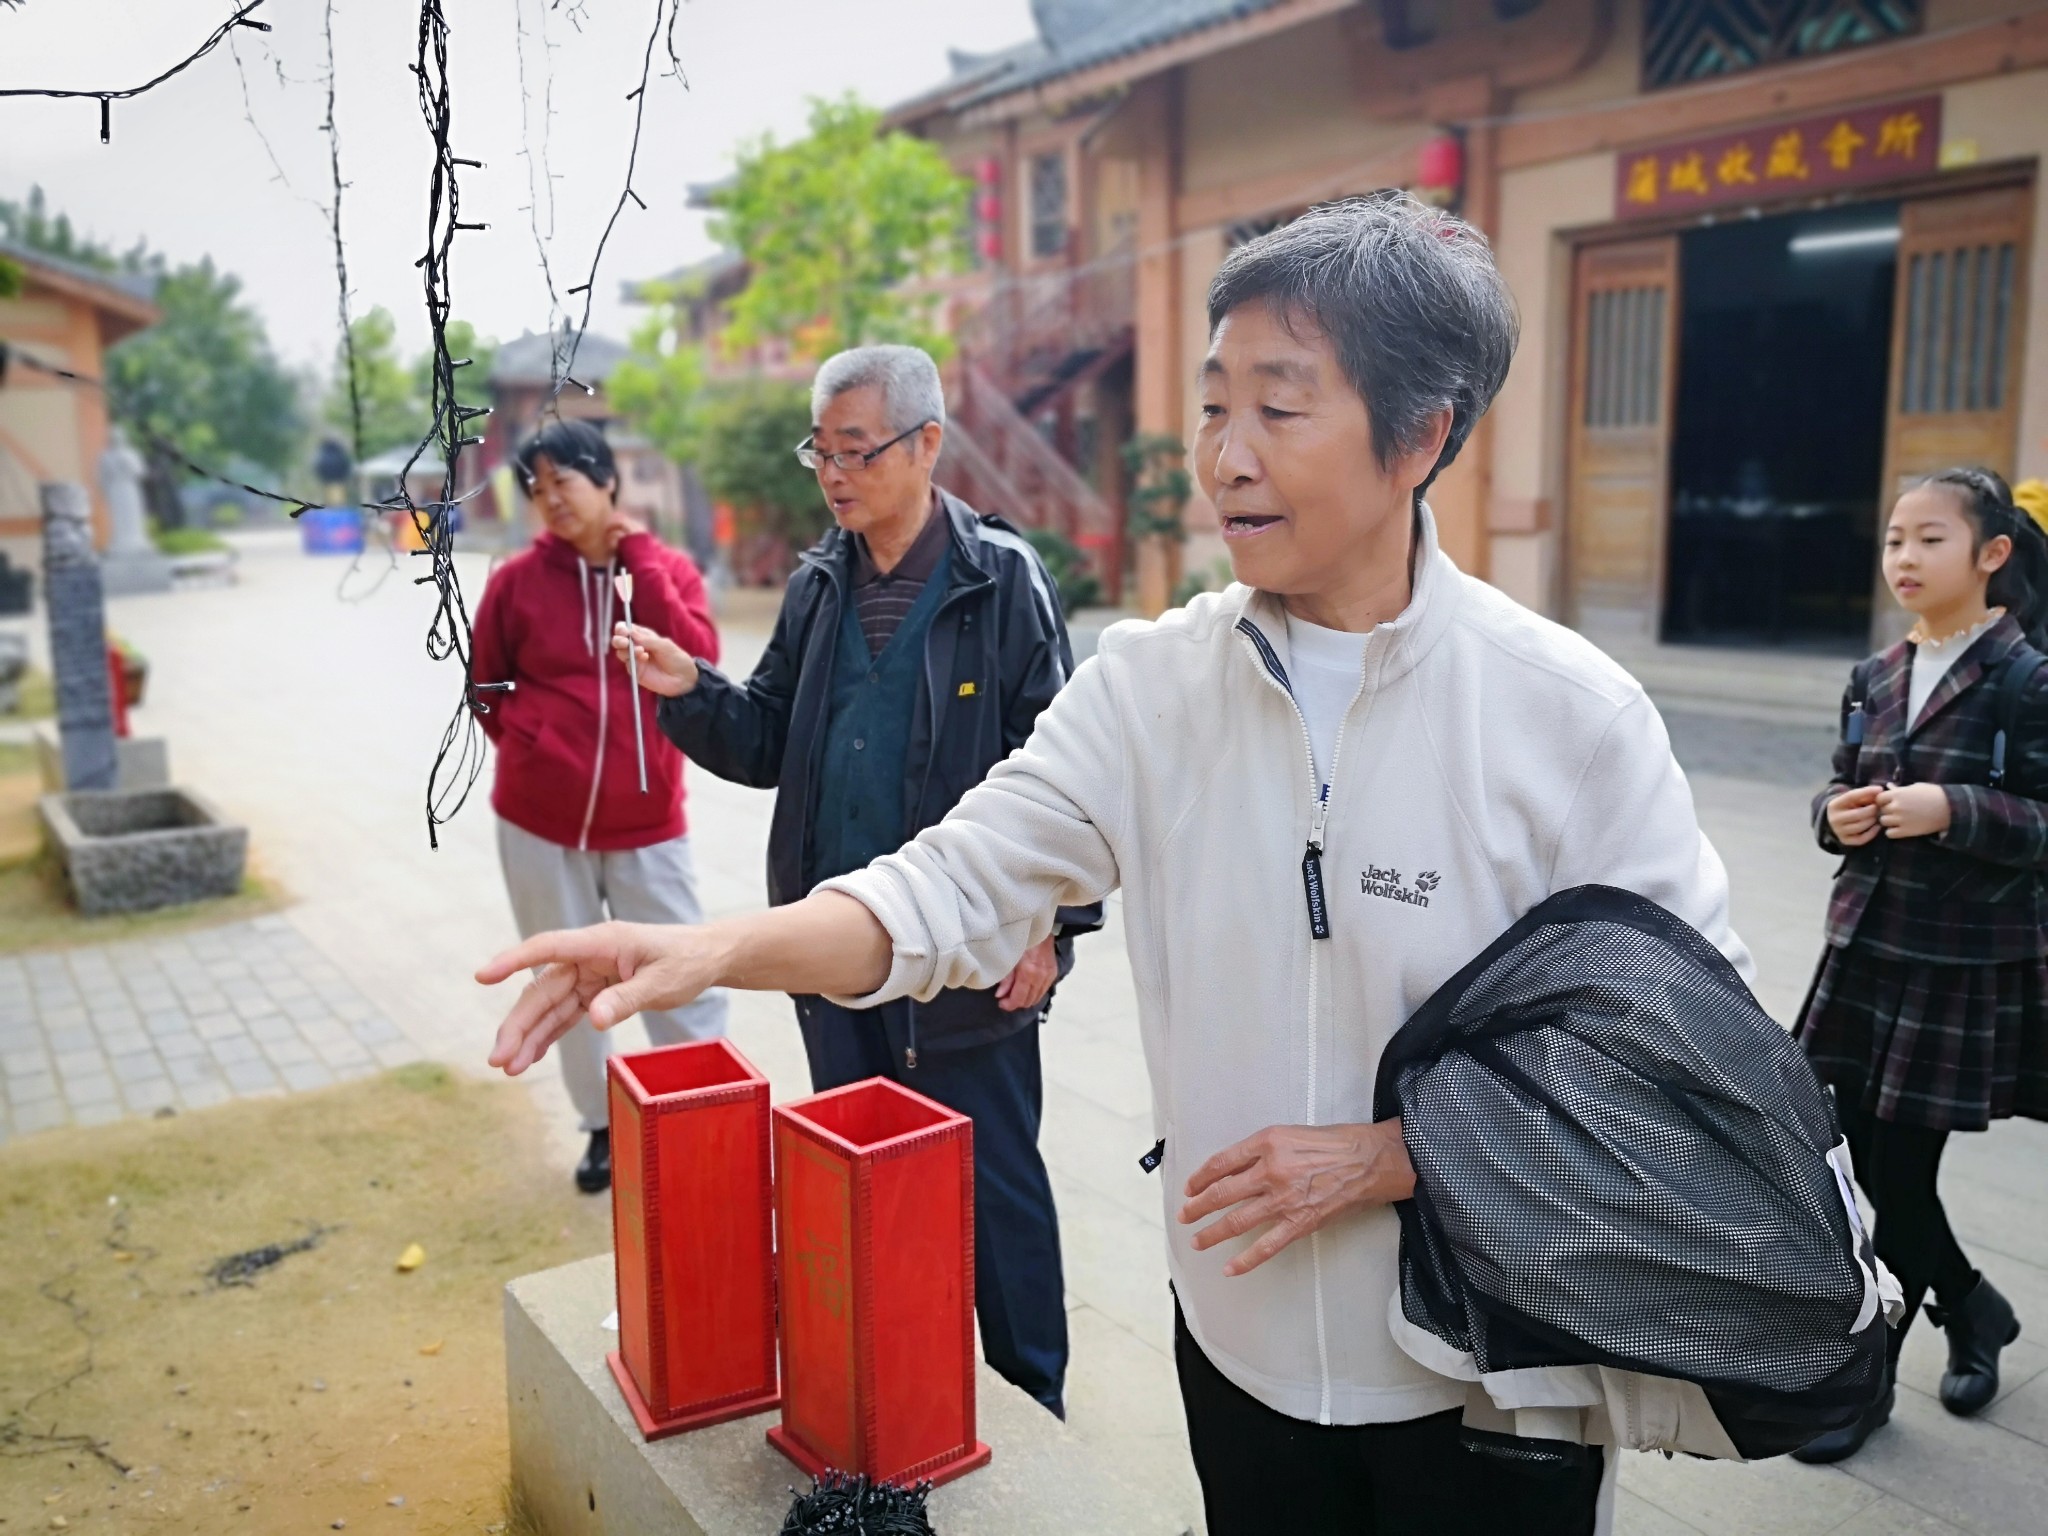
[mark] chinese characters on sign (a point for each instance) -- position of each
(1843, 149)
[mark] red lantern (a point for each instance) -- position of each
(874, 1208)
(690, 1223)
(989, 171)
(1440, 168)
(992, 244)
(988, 207)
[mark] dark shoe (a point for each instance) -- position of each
(1978, 1327)
(594, 1173)
(1841, 1444)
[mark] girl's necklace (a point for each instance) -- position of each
(1919, 635)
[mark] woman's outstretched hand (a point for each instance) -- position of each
(609, 972)
(1293, 1179)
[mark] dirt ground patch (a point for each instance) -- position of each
(331, 1391)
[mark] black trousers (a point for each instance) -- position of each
(1019, 1291)
(1899, 1167)
(1263, 1472)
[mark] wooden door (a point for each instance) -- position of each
(1957, 327)
(1624, 356)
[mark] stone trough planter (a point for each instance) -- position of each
(137, 850)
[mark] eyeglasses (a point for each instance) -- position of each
(812, 458)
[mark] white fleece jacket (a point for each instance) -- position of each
(1489, 759)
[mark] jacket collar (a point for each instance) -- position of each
(1396, 647)
(1989, 649)
(835, 552)
(558, 552)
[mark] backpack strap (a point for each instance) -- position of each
(1854, 721)
(2014, 674)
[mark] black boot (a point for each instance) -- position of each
(594, 1173)
(1841, 1444)
(1978, 1327)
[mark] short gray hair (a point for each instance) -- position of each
(1409, 298)
(906, 377)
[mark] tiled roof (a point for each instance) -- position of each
(134, 285)
(1074, 35)
(528, 359)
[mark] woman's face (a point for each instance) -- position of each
(574, 507)
(1284, 453)
(1929, 562)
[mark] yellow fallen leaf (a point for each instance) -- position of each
(410, 1260)
(123, 1257)
(59, 1523)
(431, 1349)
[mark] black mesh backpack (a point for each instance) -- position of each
(1622, 1160)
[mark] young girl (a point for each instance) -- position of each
(1930, 1010)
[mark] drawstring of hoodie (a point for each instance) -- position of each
(583, 591)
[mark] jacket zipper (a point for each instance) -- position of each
(602, 647)
(1319, 928)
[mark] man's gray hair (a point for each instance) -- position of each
(1407, 295)
(906, 378)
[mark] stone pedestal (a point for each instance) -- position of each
(140, 762)
(76, 607)
(580, 1466)
(136, 852)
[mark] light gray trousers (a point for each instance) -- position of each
(556, 887)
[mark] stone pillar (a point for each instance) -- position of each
(77, 610)
(132, 563)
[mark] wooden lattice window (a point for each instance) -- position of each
(1958, 313)
(1687, 40)
(1625, 356)
(1049, 204)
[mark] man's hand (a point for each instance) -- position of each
(665, 667)
(1295, 1179)
(1853, 815)
(1026, 986)
(1913, 810)
(610, 972)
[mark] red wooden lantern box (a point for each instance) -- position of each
(874, 1202)
(691, 1226)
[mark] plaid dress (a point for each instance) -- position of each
(1930, 1006)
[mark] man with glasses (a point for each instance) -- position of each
(917, 643)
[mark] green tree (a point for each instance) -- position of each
(204, 379)
(834, 228)
(393, 404)
(658, 385)
(742, 438)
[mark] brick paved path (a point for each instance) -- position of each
(93, 1033)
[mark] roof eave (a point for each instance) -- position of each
(1061, 91)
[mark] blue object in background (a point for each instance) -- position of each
(331, 531)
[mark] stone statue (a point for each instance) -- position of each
(121, 472)
(67, 525)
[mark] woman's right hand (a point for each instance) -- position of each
(1853, 815)
(665, 667)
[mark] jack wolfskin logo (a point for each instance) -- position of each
(1388, 884)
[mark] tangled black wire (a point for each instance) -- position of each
(106, 99)
(459, 759)
(845, 1505)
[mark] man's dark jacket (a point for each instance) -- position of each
(996, 654)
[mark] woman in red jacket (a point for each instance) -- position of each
(578, 838)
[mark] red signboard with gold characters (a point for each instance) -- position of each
(1818, 154)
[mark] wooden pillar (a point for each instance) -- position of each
(1154, 115)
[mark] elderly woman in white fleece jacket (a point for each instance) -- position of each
(1321, 792)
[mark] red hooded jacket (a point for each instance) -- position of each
(566, 768)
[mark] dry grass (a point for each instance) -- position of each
(135, 1395)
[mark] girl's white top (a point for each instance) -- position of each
(1932, 660)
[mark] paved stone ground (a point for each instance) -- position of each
(314, 719)
(90, 1034)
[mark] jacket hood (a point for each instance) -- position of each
(1396, 647)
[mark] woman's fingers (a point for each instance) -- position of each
(1284, 1231)
(1230, 1160)
(1223, 1193)
(1245, 1218)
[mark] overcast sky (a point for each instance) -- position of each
(186, 170)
